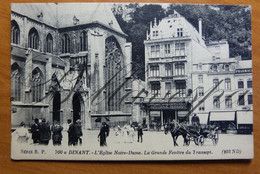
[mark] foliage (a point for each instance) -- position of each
(219, 22)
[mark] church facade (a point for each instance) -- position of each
(69, 61)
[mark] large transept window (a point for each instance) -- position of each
(113, 74)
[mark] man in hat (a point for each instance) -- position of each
(56, 133)
(35, 131)
(103, 135)
(140, 133)
(195, 120)
(79, 133)
(72, 136)
(45, 132)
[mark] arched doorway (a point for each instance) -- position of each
(78, 107)
(56, 107)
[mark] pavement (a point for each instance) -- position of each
(150, 139)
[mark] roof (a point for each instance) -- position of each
(169, 25)
(38, 56)
(33, 10)
(60, 15)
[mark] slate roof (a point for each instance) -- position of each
(60, 15)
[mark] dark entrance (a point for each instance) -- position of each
(76, 102)
(56, 107)
(168, 116)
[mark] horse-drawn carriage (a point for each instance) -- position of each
(196, 133)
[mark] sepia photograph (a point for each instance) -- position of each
(131, 81)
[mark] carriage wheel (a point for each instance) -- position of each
(188, 140)
(201, 140)
(196, 140)
(215, 138)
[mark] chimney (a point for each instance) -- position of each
(200, 27)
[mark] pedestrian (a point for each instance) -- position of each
(103, 135)
(140, 133)
(35, 129)
(72, 136)
(22, 133)
(79, 133)
(125, 133)
(45, 132)
(107, 129)
(131, 133)
(56, 133)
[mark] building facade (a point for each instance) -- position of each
(170, 48)
(187, 76)
(223, 89)
(69, 61)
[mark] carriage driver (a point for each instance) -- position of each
(195, 120)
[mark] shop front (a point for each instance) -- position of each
(225, 120)
(245, 122)
(159, 114)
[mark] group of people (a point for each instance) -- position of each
(74, 133)
(127, 133)
(43, 132)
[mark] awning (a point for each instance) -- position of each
(203, 118)
(244, 117)
(222, 116)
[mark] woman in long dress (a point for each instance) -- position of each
(22, 134)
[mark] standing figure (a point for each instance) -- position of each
(140, 133)
(35, 129)
(45, 132)
(125, 133)
(131, 133)
(22, 133)
(79, 133)
(56, 133)
(72, 136)
(103, 134)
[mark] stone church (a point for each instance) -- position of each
(69, 61)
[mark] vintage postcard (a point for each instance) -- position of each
(110, 81)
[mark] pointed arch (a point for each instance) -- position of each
(83, 41)
(113, 73)
(16, 82)
(49, 43)
(78, 107)
(15, 32)
(37, 85)
(65, 43)
(33, 39)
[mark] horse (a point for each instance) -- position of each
(177, 129)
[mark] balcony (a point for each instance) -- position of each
(154, 78)
(180, 77)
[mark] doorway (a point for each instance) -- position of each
(56, 107)
(168, 116)
(78, 107)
